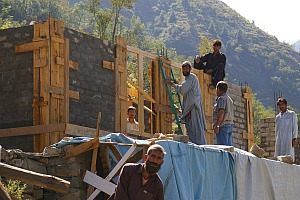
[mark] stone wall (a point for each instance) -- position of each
(267, 137)
(16, 86)
(240, 116)
(51, 162)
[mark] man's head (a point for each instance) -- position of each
(221, 87)
(282, 104)
(131, 111)
(186, 68)
(217, 44)
(154, 158)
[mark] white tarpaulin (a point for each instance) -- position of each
(263, 179)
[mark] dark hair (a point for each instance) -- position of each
(283, 100)
(131, 108)
(156, 147)
(217, 43)
(222, 85)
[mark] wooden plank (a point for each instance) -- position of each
(94, 157)
(74, 94)
(99, 183)
(44, 79)
(145, 107)
(73, 65)
(31, 46)
(156, 86)
(115, 151)
(163, 108)
(42, 180)
(60, 61)
(115, 170)
(59, 40)
(81, 131)
(146, 95)
(31, 130)
(248, 136)
(67, 81)
(54, 89)
(40, 63)
(122, 87)
(108, 65)
(3, 193)
(136, 157)
(140, 52)
(84, 147)
(59, 28)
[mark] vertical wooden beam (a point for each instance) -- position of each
(156, 88)
(94, 157)
(41, 78)
(66, 83)
(141, 99)
(250, 135)
(121, 109)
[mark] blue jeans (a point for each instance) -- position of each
(224, 137)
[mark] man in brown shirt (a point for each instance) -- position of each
(141, 181)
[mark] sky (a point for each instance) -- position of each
(279, 18)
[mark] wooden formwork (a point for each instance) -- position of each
(51, 66)
(160, 110)
(51, 87)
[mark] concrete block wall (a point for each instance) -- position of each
(16, 86)
(94, 83)
(240, 116)
(267, 137)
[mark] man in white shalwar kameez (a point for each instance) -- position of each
(192, 111)
(286, 130)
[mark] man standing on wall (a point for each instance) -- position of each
(224, 114)
(192, 111)
(214, 63)
(141, 181)
(286, 130)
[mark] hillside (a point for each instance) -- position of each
(253, 56)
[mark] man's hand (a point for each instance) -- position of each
(216, 129)
(197, 59)
(168, 81)
(294, 142)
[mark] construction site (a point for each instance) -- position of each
(64, 100)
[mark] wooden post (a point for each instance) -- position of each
(94, 158)
(121, 86)
(250, 134)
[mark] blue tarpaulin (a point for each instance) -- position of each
(189, 172)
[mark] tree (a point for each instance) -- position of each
(205, 46)
(117, 6)
(108, 19)
(260, 112)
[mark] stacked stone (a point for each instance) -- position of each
(267, 131)
(240, 116)
(51, 162)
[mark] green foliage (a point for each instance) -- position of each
(14, 188)
(260, 112)
(7, 21)
(205, 46)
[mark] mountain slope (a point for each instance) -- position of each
(253, 56)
